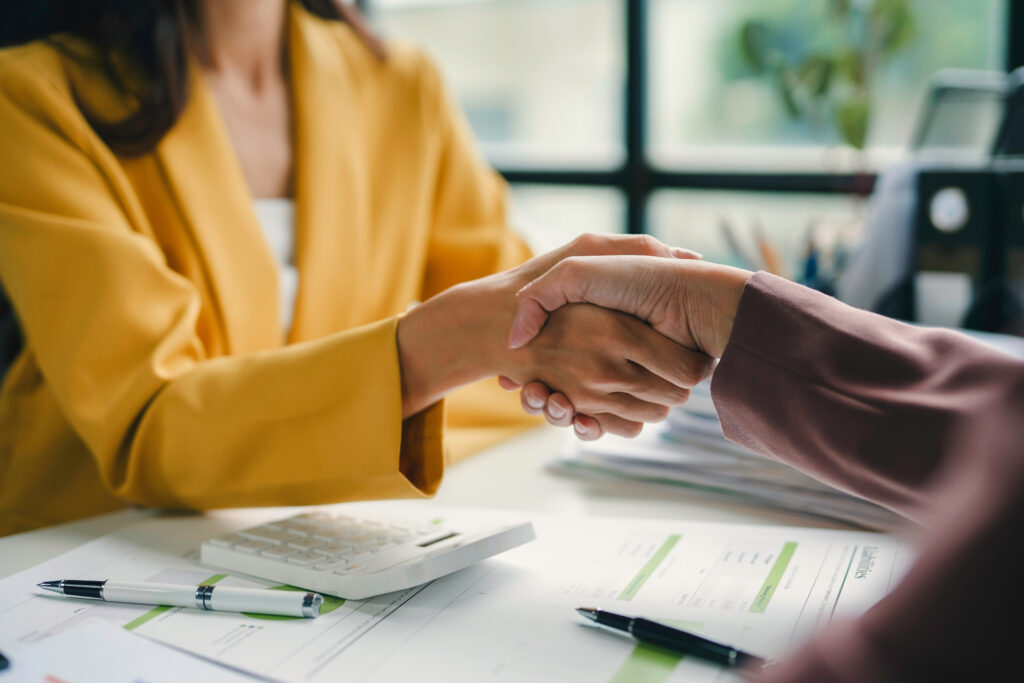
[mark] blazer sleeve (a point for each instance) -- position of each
(863, 402)
(926, 421)
(470, 237)
(113, 331)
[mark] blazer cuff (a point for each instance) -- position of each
(421, 459)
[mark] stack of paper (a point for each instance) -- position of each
(690, 450)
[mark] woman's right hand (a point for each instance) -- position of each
(608, 365)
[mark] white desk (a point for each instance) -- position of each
(511, 475)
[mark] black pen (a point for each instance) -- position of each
(3, 661)
(647, 631)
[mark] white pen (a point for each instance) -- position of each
(208, 597)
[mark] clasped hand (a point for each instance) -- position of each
(678, 317)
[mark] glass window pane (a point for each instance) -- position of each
(730, 227)
(540, 81)
(710, 109)
(549, 215)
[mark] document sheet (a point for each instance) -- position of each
(511, 618)
(97, 651)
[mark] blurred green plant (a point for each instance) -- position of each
(830, 80)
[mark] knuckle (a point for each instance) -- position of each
(693, 367)
(649, 245)
(586, 242)
(680, 396)
(630, 430)
(569, 265)
(659, 413)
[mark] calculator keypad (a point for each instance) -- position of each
(340, 544)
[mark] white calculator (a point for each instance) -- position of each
(356, 556)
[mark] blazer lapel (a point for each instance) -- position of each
(209, 187)
(330, 189)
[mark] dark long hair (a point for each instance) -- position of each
(150, 35)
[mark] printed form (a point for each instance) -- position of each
(763, 589)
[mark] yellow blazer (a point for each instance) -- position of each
(154, 369)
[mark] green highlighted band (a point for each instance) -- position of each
(650, 663)
(764, 595)
(647, 664)
(213, 579)
(151, 614)
(648, 569)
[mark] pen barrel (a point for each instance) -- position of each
(280, 602)
(150, 593)
(687, 643)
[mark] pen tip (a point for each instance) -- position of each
(588, 612)
(50, 586)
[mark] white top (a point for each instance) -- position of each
(277, 218)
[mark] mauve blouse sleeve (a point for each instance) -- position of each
(928, 422)
(857, 400)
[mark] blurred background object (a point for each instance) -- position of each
(823, 71)
(676, 117)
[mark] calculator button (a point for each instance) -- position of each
(229, 540)
(333, 549)
(305, 558)
(278, 552)
(253, 546)
(357, 538)
(304, 543)
(264, 534)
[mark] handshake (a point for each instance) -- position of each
(605, 333)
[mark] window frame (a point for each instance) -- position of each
(637, 178)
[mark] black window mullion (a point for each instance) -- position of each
(1014, 34)
(636, 172)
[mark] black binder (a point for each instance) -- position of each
(982, 236)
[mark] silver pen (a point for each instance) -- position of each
(207, 597)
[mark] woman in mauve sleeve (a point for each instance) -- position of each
(927, 422)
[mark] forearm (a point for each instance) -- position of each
(857, 400)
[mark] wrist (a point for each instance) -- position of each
(453, 339)
(713, 298)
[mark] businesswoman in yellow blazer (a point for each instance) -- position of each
(183, 343)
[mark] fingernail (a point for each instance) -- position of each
(556, 411)
(580, 429)
(679, 252)
(518, 335)
(515, 339)
(534, 402)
